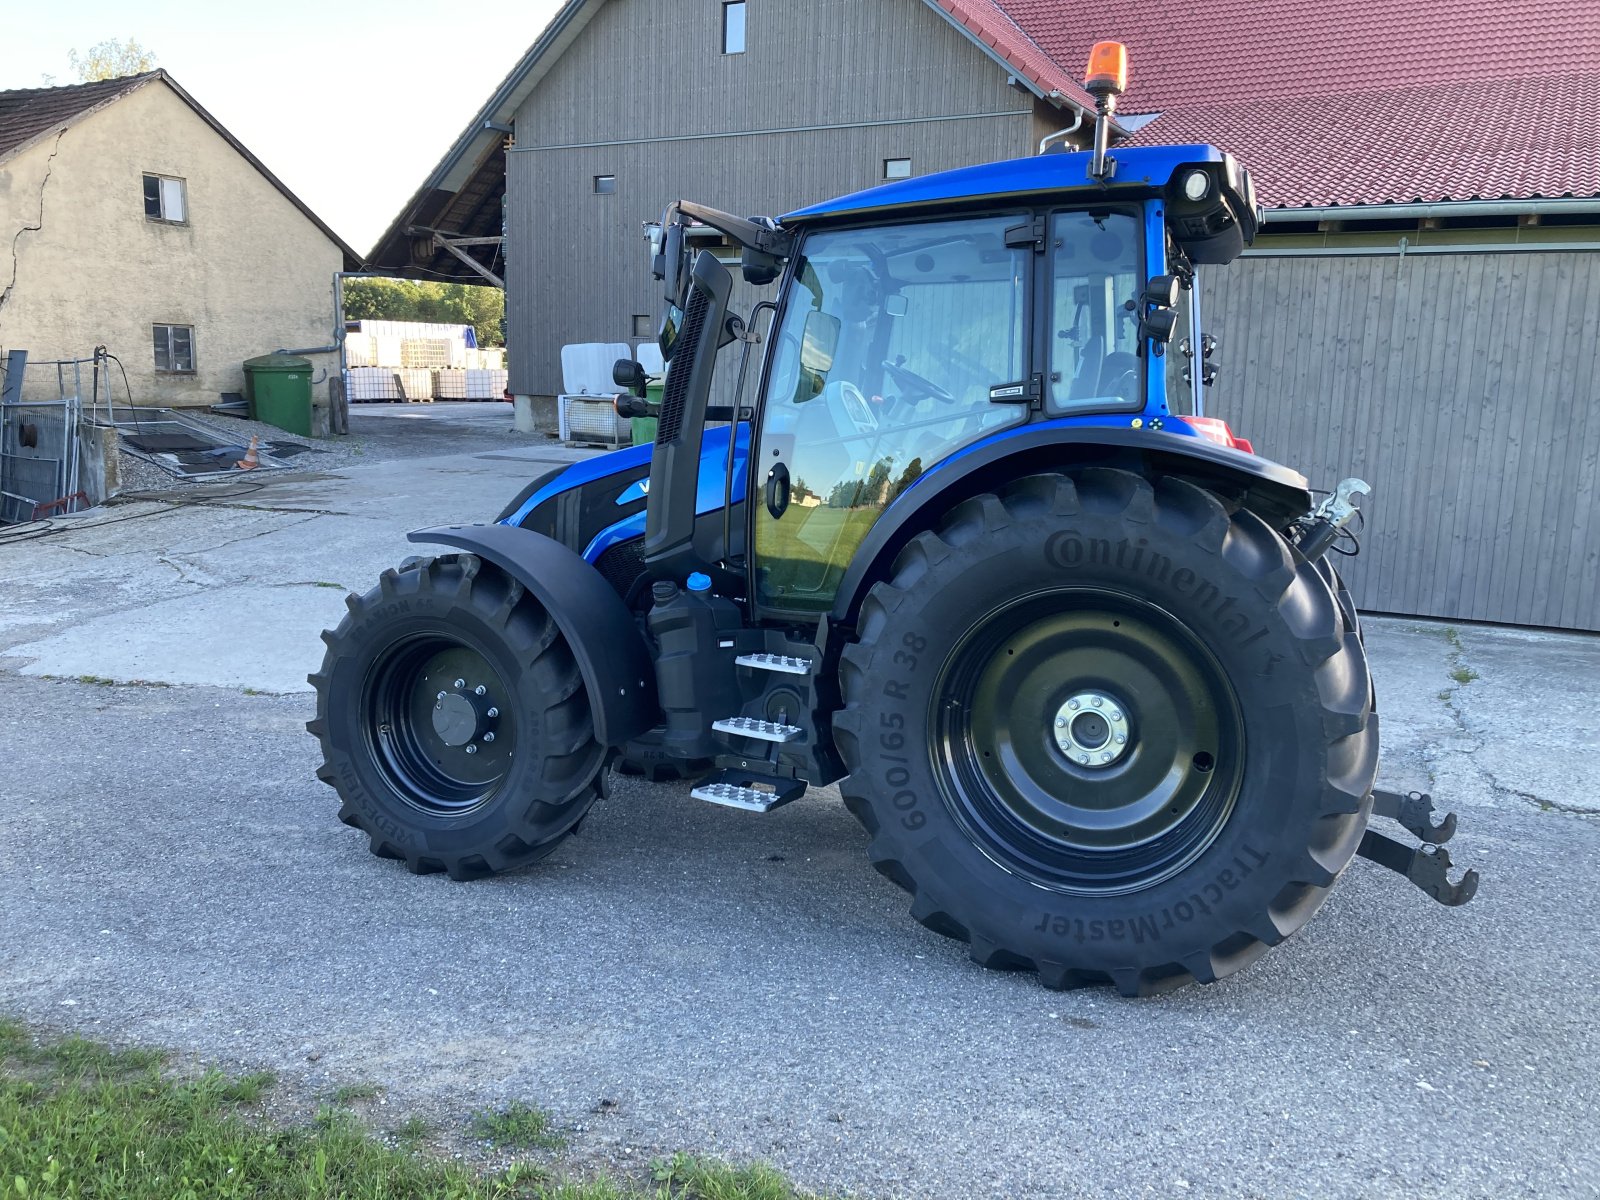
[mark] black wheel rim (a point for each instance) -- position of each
(437, 714)
(1138, 811)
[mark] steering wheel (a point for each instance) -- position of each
(915, 383)
(845, 399)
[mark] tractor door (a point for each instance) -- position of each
(895, 347)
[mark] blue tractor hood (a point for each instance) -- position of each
(1145, 168)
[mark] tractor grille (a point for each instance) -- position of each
(673, 396)
(622, 565)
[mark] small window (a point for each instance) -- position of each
(164, 199)
(605, 185)
(641, 326)
(733, 28)
(897, 168)
(174, 345)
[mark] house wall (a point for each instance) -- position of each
(1462, 386)
(825, 92)
(248, 270)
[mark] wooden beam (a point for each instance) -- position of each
(452, 245)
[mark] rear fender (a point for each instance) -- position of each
(604, 637)
(1275, 492)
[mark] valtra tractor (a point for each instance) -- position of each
(946, 525)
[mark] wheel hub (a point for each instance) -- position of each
(1092, 730)
(455, 719)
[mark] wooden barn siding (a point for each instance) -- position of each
(1464, 387)
(577, 263)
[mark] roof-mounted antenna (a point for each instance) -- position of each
(1106, 79)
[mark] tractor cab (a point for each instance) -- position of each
(922, 318)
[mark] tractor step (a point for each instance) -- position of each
(752, 793)
(783, 663)
(754, 727)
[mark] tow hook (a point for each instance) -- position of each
(1428, 866)
(1329, 517)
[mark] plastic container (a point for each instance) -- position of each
(279, 387)
(644, 428)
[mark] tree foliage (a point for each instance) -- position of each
(112, 59)
(484, 308)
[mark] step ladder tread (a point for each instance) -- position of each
(785, 663)
(732, 796)
(754, 727)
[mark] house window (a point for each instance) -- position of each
(733, 28)
(605, 185)
(174, 348)
(641, 326)
(897, 168)
(164, 199)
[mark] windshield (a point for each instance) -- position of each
(1096, 276)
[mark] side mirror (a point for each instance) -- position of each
(629, 375)
(819, 340)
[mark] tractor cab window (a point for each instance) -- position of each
(889, 342)
(1096, 277)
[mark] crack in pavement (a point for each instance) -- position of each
(1468, 753)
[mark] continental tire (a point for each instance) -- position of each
(993, 675)
(453, 721)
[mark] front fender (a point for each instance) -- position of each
(612, 655)
(1277, 493)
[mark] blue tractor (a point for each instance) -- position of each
(943, 524)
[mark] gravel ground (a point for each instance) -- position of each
(171, 873)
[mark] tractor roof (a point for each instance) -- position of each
(1144, 167)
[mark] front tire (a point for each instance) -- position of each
(1242, 781)
(453, 721)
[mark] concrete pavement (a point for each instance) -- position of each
(171, 872)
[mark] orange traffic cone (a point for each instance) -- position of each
(251, 459)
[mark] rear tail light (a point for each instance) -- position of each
(1215, 429)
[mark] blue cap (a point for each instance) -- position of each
(699, 582)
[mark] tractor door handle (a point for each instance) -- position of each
(777, 490)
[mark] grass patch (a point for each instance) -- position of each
(352, 1092)
(1463, 675)
(326, 584)
(80, 1119)
(518, 1126)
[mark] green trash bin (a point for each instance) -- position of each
(644, 428)
(279, 387)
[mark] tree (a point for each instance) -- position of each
(112, 59)
(484, 308)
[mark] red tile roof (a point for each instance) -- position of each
(26, 113)
(1348, 101)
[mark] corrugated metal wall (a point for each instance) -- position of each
(1464, 387)
(577, 266)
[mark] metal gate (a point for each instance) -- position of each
(40, 409)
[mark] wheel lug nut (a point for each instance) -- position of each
(488, 737)
(1121, 738)
(494, 712)
(461, 683)
(1072, 704)
(472, 749)
(441, 696)
(479, 690)
(1115, 715)
(1061, 722)
(1106, 757)
(1095, 702)
(1083, 758)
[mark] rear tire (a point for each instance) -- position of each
(445, 655)
(1212, 832)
